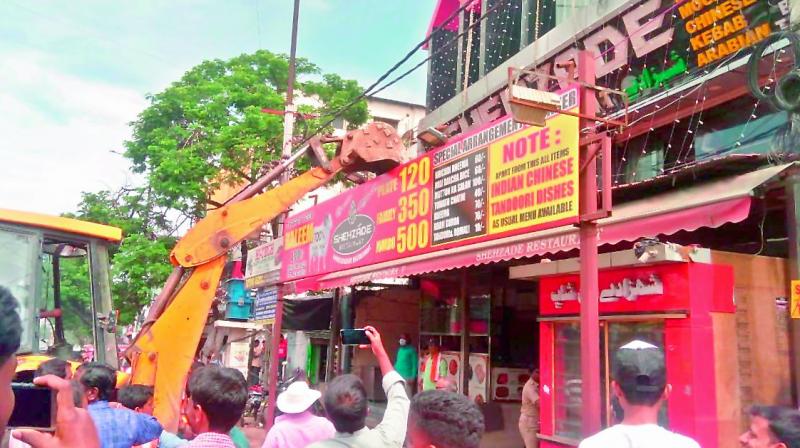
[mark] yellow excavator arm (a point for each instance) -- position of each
(162, 353)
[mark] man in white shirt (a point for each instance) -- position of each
(640, 384)
(345, 402)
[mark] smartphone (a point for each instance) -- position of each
(35, 407)
(354, 336)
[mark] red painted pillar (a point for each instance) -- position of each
(274, 361)
(590, 327)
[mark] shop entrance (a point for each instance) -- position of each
(485, 327)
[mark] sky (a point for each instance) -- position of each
(74, 74)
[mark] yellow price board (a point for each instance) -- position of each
(795, 302)
(533, 176)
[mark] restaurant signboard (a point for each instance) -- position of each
(502, 180)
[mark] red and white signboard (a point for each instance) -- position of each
(661, 287)
(502, 180)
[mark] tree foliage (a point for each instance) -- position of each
(204, 131)
(140, 263)
(208, 129)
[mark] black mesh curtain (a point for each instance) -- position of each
(307, 314)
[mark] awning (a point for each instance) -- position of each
(711, 204)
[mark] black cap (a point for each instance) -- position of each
(640, 367)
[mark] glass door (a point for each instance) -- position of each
(567, 385)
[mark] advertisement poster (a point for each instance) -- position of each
(264, 305)
(453, 360)
(507, 383)
(263, 265)
(502, 180)
(479, 377)
(238, 354)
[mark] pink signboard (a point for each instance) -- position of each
(502, 180)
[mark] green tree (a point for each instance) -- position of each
(208, 128)
(205, 131)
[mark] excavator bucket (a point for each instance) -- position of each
(316, 154)
(375, 147)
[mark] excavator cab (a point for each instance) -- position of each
(58, 270)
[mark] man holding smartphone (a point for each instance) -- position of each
(74, 427)
(345, 402)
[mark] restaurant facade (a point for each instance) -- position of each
(696, 256)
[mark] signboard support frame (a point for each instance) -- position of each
(593, 145)
(274, 360)
(333, 343)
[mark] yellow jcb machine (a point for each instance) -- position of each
(35, 249)
(58, 270)
(163, 351)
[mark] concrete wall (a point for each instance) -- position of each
(407, 115)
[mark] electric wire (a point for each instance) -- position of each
(367, 94)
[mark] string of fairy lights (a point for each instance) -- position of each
(682, 158)
(501, 22)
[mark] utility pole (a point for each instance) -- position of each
(589, 213)
(286, 152)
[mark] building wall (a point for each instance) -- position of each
(406, 115)
(392, 312)
(762, 341)
(682, 130)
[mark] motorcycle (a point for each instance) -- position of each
(255, 397)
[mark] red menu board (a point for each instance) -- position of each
(501, 180)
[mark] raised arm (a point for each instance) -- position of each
(393, 426)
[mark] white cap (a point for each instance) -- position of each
(638, 345)
(297, 398)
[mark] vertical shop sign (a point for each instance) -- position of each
(264, 265)
(795, 302)
(264, 306)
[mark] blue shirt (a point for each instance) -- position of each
(122, 428)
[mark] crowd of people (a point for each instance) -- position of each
(92, 413)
